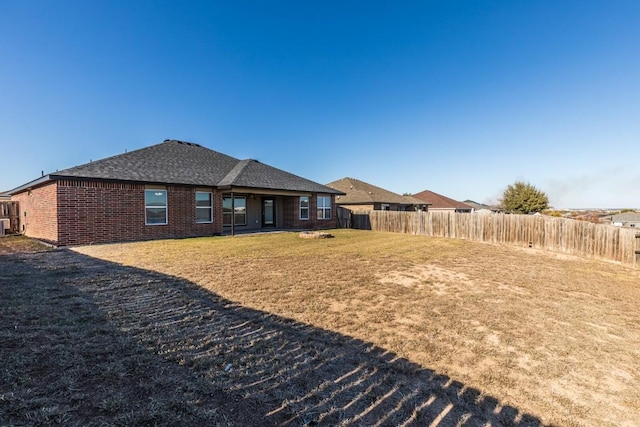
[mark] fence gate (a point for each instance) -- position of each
(353, 219)
(344, 217)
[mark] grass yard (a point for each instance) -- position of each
(362, 329)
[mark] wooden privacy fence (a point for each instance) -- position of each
(9, 210)
(554, 234)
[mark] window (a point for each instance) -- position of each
(384, 207)
(324, 207)
(155, 203)
(204, 207)
(304, 207)
(240, 205)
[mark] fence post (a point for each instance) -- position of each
(637, 261)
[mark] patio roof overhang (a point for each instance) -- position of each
(263, 191)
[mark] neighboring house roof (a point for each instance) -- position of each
(476, 205)
(481, 206)
(626, 217)
(438, 201)
(179, 162)
(362, 193)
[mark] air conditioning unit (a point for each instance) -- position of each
(5, 226)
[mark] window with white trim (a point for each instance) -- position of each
(204, 207)
(239, 210)
(324, 207)
(304, 207)
(155, 204)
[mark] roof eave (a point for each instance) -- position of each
(252, 189)
(29, 185)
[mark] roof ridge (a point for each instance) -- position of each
(235, 172)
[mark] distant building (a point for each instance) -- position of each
(481, 207)
(362, 196)
(627, 219)
(438, 202)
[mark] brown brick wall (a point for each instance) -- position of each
(102, 212)
(75, 212)
(292, 215)
(38, 212)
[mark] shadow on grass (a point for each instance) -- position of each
(86, 341)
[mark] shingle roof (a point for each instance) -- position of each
(438, 201)
(626, 217)
(480, 206)
(254, 174)
(360, 192)
(174, 162)
(178, 162)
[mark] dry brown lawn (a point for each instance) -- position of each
(362, 329)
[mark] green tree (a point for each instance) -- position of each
(523, 198)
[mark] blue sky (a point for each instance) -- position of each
(459, 97)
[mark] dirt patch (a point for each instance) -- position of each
(21, 244)
(315, 235)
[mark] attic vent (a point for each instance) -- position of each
(185, 143)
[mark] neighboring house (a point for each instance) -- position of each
(362, 196)
(438, 202)
(627, 219)
(481, 207)
(4, 196)
(169, 190)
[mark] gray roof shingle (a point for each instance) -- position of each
(178, 162)
(254, 174)
(174, 162)
(626, 217)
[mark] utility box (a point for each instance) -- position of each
(5, 226)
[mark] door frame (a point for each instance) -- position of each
(273, 211)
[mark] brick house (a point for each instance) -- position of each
(169, 190)
(361, 196)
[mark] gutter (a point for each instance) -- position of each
(30, 185)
